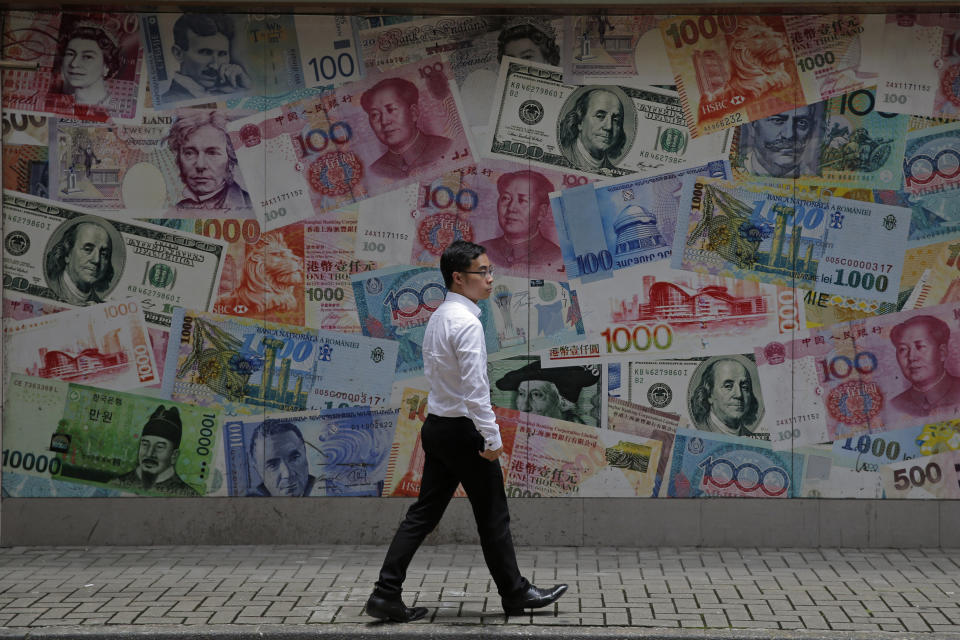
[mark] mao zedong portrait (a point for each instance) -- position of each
(85, 262)
(922, 353)
(724, 400)
(279, 454)
(206, 159)
(523, 205)
(393, 109)
(201, 46)
(591, 133)
(158, 454)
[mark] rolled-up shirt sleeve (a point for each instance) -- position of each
(472, 363)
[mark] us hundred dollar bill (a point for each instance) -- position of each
(70, 256)
(596, 130)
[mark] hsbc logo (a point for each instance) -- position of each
(737, 100)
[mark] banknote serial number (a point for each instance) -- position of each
(859, 264)
(29, 222)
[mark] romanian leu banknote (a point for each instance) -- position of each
(472, 45)
(844, 141)
(263, 273)
(621, 49)
(646, 422)
(251, 366)
(395, 303)
(718, 465)
(89, 64)
(132, 443)
(920, 74)
(60, 253)
(929, 477)
(150, 168)
(596, 130)
(553, 458)
(940, 282)
(867, 452)
(873, 375)
(637, 216)
(731, 69)
(333, 452)
(653, 311)
(501, 205)
(833, 245)
(262, 57)
(106, 345)
(364, 139)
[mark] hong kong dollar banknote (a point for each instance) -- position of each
(597, 130)
(63, 254)
(131, 443)
(929, 477)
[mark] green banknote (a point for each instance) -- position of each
(124, 441)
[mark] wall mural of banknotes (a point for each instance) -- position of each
(726, 250)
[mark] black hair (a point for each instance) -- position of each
(271, 428)
(203, 25)
(457, 257)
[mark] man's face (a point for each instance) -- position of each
(731, 393)
(285, 470)
(919, 356)
(517, 209)
(523, 48)
(203, 58)
(393, 121)
(203, 160)
(540, 397)
(781, 140)
(82, 63)
(603, 123)
(157, 454)
(89, 257)
(476, 286)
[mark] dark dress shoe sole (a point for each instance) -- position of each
(517, 610)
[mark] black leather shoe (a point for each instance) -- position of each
(532, 598)
(393, 610)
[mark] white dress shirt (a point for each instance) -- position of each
(455, 363)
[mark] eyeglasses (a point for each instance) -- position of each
(482, 272)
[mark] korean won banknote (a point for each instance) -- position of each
(89, 64)
(833, 245)
(105, 345)
(845, 140)
(637, 216)
(249, 366)
(132, 443)
(596, 130)
(66, 255)
(333, 452)
(369, 137)
(874, 375)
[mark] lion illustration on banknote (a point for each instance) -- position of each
(268, 279)
(759, 56)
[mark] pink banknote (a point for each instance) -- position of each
(731, 69)
(363, 139)
(89, 64)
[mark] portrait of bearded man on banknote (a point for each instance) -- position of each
(207, 161)
(785, 145)
(84, 260)
(159, 449)
(393, 109)
(591, 127)
(724, 397)
(554, 392)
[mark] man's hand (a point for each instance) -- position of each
(233, 75)
(491, 454)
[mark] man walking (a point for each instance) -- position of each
(461, 442)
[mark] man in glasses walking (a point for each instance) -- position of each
(461, 443)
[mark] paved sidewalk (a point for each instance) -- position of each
(319, 591)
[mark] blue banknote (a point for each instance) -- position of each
(868, 451)
(638, 217)
(713, 464)
(332, 452)
(396, 302)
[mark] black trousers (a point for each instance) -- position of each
(452, 447)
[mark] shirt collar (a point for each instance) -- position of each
(190, 195)
(465, 301)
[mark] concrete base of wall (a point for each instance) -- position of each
(535, 521)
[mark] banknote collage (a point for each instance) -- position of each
(726, 251)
